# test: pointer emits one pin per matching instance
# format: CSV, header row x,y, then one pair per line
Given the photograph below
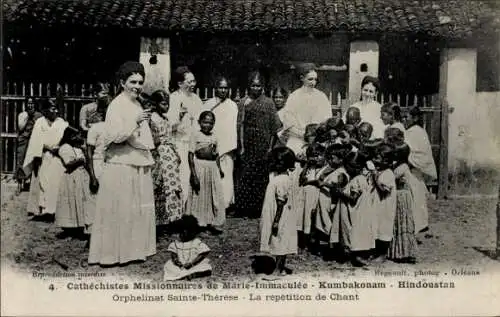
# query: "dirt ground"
x,y
461,230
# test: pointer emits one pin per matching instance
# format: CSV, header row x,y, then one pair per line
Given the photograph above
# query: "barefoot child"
x,y
278,223
205,197
404,242
189,255
384,199
75,205
310,172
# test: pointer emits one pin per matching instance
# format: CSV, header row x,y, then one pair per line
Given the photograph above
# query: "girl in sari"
x,y
421,164
167,182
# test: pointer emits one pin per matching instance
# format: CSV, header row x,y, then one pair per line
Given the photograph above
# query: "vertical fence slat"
x,y
443,153
399,99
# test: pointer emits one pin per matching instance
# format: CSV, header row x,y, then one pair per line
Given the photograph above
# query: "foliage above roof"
x,y
451,19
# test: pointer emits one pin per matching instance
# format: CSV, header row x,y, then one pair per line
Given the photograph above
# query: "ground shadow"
x,y
492,254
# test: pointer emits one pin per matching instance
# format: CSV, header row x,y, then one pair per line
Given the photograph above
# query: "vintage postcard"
x,y
250,158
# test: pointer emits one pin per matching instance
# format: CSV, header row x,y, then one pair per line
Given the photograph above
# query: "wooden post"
x,y
443,153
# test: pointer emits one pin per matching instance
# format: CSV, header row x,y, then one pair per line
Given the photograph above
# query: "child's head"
x,y
353,116
188,228
394,136
354,163
390,113
413,116
401,153
384,156
310,133
316,154
365,132
160,100
72,137
336,153
281,160
352,130
336,118
206,121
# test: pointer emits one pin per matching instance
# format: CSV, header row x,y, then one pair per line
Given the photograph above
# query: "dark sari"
x,y
258,122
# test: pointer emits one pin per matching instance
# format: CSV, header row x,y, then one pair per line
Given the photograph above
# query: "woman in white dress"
x,y
369,107
124,227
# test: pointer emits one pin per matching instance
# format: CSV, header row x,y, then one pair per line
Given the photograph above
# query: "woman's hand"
x,y
145,115
195,183
94,185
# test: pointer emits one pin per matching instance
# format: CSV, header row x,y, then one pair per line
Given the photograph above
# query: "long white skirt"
x,y
124,227
172,272
50,176
184,172
227,166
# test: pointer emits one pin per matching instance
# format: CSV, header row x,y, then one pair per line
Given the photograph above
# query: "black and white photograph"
x,y
250,157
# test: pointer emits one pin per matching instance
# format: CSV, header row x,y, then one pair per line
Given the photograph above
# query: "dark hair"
x,y
331,124
129,68
159,96
401,153
305,68
393,109
179,74
394,136
353,110
311,129
366,125
281,159
370,79
315,149
339,150
280,90
386,151
100,86
220,79
415,112
68,134
256,75
190,224
205,114
352,130
370,147
354,163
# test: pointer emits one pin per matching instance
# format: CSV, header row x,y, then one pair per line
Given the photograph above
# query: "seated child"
x,y
189,255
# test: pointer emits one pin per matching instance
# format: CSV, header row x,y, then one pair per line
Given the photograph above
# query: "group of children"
x,y
351,197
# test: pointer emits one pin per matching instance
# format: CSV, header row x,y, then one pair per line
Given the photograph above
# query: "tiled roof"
x,y
453,19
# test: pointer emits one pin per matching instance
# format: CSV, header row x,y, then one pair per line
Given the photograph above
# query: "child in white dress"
x,y
278,223
384,198
189,255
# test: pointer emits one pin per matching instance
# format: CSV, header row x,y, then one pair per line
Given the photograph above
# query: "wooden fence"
x,y
76,95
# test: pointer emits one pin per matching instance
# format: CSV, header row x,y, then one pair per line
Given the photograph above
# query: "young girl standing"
x,y
310,172
278,224
404,243
166,171
384,199
189,255
357,231
390,114
334,176
75,205
205,197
